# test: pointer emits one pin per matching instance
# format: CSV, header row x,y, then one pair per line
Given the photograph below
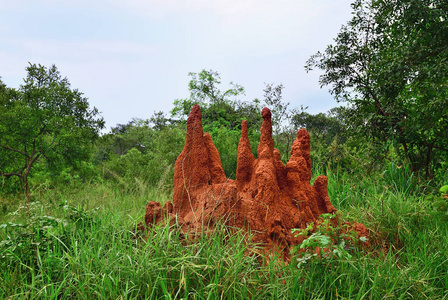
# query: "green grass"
x,y
79,243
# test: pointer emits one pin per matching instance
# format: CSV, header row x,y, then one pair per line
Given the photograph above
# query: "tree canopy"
x,y
44,119
390,64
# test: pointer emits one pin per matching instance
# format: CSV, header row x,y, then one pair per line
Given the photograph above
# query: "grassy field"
x,y
79,243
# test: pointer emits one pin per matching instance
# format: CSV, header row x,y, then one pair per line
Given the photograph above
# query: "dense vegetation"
x,y
70,198
46,122
389,63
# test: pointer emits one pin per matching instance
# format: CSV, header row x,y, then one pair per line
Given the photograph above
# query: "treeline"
x,y
51,137
388,65
147,149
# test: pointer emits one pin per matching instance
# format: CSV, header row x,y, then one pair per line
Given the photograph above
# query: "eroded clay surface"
x,y
268,198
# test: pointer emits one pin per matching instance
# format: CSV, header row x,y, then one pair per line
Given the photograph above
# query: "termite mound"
x,y
268,198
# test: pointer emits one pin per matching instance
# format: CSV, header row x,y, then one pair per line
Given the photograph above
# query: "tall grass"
x,y
81,244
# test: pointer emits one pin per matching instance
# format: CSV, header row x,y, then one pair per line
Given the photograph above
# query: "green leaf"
x,y
444,189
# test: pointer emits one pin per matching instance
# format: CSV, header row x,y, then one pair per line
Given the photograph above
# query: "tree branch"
x,y
15,150
7,175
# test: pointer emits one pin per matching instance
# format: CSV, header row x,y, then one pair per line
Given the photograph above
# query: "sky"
x,y
132,58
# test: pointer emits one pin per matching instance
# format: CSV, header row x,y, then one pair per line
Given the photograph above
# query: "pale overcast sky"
x,y
131,58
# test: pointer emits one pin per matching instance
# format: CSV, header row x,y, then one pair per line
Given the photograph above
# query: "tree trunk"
x,y
429,163
27,189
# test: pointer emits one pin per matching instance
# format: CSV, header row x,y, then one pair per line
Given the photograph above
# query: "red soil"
x,y
268,198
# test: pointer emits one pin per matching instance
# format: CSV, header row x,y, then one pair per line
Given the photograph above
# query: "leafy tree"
x,y
123,137
389,63
273,99
323,126
137,133
159,121
137,154
282,128
218,108
44,120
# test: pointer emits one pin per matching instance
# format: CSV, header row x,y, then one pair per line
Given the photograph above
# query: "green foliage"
x,y
160,121
439,201
137,154
333,145
218,108
400,178
67,176
329,240
44,120
322,126
40,238
100,256
389,63
98,250
226,141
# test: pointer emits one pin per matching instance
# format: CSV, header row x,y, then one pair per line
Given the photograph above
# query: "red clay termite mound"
x,y
268,198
